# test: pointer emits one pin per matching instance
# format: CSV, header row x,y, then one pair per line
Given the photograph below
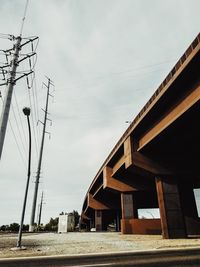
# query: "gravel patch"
x,y
84,243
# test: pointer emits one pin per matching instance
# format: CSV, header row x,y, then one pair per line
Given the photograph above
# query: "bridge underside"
x,y
156,164
177,148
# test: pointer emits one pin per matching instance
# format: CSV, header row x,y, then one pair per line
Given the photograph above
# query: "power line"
x,y
34,134
6,36
12,76
34,117
20,135
126,74
32,92
20,118
18,147
143,67
30,85
37,108
15,138
24,17
35,104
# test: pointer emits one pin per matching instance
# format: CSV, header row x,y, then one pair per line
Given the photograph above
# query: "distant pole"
x,y
8,97
27,114
31,226
40,210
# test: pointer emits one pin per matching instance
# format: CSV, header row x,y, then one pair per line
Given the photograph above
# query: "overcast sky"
x,y
106,58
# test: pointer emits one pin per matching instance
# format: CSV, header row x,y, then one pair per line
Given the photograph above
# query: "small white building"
x,y
66,223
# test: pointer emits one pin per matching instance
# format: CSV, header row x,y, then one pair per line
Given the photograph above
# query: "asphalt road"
x,y
165,258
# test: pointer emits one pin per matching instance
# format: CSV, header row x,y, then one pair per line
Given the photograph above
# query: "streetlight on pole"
x,y
27,112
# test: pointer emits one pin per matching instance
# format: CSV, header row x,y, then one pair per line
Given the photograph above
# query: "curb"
x,y
98,258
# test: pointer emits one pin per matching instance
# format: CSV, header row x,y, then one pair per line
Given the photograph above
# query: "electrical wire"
x,y
6,36
37,108
130,73
34,92
15,138
20,118
18,147
24,17
32,60
19,131
19,128
32,119
33,95
35,101
143,67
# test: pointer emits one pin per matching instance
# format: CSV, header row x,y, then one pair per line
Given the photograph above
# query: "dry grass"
x,y
84,243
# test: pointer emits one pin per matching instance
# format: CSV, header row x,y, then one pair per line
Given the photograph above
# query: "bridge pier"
x,y
98,220
129,211
189,208
172,219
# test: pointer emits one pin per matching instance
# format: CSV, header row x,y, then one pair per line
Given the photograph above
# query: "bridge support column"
x,y
92,224
172,220
98,220
117,222
189,207
129,211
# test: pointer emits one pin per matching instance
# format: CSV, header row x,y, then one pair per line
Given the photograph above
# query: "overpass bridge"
x,y
156,163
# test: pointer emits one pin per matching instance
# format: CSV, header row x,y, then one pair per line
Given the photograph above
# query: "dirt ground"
x,y
84,243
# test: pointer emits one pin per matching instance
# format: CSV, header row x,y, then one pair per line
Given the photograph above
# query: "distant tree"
x,y
14,227
41,228
47,227
76,217
52,225
25,227
4,228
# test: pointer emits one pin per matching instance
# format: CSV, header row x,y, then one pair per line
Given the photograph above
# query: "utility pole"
x,y
31,226
8,97
12,79
40,210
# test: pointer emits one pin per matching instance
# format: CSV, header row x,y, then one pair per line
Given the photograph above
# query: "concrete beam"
x,y
118,164
98,190
137,159
110,182
181,107
128,150
95,204
149,165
